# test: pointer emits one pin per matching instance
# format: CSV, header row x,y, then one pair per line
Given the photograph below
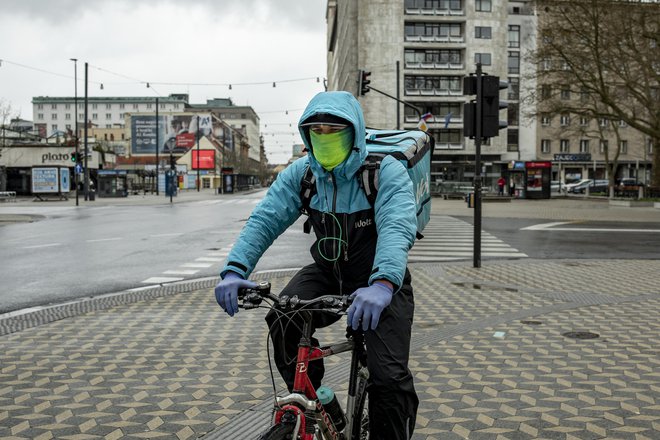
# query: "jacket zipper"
x,y
334,211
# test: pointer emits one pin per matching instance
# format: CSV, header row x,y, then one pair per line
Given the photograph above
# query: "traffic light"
x,y
364,82
491,105
74,157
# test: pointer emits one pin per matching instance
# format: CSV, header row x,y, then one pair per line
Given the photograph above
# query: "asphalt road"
x,y
73,253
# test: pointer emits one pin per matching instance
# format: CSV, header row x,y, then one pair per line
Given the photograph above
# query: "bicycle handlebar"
x,y
252,298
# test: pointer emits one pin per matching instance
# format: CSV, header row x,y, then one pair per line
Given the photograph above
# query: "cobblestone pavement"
x,y
489,354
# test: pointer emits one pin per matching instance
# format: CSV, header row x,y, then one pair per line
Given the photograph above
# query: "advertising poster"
x,y
206,159
178,133
65,180
45,180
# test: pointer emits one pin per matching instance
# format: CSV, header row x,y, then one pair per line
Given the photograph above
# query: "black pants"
x,y
392,398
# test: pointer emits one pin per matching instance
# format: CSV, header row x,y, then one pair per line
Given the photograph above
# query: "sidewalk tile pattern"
x,y
175,367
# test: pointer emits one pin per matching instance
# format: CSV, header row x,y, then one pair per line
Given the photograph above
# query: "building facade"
x,y
419,51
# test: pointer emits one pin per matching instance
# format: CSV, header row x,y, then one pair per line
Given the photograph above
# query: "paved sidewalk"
x,y
490,356
492,353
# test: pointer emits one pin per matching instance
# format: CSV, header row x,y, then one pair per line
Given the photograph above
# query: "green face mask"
x,y
333,148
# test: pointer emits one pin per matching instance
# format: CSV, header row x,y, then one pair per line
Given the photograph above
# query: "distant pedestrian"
x,y
500,186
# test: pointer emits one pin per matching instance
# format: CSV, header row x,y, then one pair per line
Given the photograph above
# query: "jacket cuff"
x,y
233,266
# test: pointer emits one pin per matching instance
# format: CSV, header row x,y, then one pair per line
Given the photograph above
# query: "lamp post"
x,y
75,114
199,183
86,189
157,146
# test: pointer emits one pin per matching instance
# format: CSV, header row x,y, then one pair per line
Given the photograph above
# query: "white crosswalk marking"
x,y
447,239
226,202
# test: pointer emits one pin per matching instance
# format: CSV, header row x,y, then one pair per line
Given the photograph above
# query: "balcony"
x,y
433,92
438,12
448,146
434,39
438,66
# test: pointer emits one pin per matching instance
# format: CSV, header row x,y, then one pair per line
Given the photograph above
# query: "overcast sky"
x,y
163,41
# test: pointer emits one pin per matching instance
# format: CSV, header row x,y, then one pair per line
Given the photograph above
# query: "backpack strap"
x,y
369,176
307,191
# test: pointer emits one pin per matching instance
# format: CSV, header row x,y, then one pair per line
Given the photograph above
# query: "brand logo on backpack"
x,y
423,189
363,223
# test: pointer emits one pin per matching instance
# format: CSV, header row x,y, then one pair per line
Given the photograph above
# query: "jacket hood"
x,y
345,106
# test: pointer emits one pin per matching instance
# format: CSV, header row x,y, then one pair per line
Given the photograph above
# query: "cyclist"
x,y
360,251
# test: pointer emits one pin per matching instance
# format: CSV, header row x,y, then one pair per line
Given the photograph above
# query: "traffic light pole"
x,y
75,114
86,189
477,173
419,112
157,147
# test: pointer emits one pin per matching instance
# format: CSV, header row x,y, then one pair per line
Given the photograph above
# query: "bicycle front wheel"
x,y
283,431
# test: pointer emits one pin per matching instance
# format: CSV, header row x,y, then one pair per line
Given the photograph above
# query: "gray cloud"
x,y
299,13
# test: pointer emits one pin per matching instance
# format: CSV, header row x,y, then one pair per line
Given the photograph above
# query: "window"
x,y
95,116
564,146
546,91
95,106
108,106
584,145
584,95
514,62
566,93
121,116
483,58
108,116
512,114
514,36
564,120
546,65
513,93
176,106
149,105
162,106
623,147
67,116
122,136
53,106
546,145
53,116
40,106
68,126
565,66
81,116
512,139
122,106
622,123
108,125
67,106
649,143
545,119
603,146
482,5
81,106
40,115
430,57
584,121
484,32
54,127
135,106
602,122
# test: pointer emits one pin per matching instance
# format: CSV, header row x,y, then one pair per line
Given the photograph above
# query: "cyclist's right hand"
x,y
226,292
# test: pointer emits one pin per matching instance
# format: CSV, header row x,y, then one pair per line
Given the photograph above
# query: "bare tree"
x,y
607,53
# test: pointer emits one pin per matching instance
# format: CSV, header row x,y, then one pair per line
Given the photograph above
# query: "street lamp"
x,y
75,114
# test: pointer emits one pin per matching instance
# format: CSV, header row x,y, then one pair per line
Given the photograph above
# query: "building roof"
x,y
118,99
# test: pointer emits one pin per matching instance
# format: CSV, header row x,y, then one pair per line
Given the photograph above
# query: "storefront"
x,y
529,180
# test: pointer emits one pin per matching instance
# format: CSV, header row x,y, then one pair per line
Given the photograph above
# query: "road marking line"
x,y
543,226
167,235
41,245
278,270
201,265
217,254
485,253
104,239
215,260
180,272
161,280
551,227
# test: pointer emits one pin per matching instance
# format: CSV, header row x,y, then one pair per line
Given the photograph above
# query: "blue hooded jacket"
x,y
360,242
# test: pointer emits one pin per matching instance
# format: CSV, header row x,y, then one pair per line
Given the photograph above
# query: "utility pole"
x,y
157,145
75,114
86,189
477,174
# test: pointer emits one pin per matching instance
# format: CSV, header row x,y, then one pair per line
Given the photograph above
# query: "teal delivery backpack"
x,y
413,148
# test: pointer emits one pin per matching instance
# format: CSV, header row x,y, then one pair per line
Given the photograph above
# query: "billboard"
x,y
45,180
177,133
206,159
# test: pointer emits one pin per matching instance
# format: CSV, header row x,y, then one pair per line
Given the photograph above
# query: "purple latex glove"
x,y
226,292
368,304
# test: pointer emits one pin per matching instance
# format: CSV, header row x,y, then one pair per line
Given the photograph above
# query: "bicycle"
x,y
300,415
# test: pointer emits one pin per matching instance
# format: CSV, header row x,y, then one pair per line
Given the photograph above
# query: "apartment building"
x,y
419,51
58,114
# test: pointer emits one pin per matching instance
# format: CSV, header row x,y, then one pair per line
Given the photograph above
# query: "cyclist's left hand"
x,y
368,304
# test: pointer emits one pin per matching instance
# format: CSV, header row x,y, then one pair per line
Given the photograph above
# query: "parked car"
x,y
628,187
571,187
596,186
557,186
